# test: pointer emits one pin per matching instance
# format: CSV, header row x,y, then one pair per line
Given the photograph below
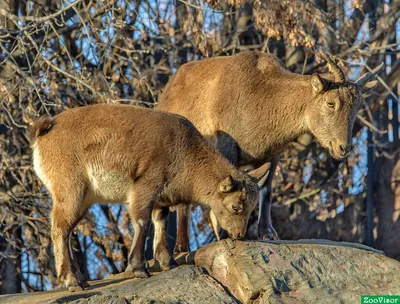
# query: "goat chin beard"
x,y
335,156
332,152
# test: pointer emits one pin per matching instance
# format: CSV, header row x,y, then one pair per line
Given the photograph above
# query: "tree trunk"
x,y
387,199
10,271
387,168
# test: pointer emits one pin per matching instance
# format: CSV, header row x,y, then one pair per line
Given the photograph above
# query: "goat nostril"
x,y
344,149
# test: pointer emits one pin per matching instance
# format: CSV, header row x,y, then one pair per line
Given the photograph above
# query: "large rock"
x,y
311,271
185,284
300,272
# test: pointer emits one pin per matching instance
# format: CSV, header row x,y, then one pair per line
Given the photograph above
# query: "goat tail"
x,y
41,127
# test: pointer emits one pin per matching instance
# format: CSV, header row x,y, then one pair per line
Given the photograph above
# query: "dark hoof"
x,y
179,248
141,273
268,234
168,266
269,237
73,285
75,288
82,281
85,284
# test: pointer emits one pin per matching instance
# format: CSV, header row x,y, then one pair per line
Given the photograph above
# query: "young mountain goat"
x,y
146,158
251,107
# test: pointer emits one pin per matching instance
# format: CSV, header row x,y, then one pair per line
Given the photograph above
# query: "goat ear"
x,y
317,83
369,85
226,185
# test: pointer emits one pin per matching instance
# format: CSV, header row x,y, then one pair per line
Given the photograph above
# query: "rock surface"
x,y
308,271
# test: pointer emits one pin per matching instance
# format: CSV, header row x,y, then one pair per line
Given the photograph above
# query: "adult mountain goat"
x,y
250,106
146,158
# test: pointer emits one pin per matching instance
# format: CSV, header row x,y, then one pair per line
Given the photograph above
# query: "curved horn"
x,y
260,174
336,70
367,76
215,225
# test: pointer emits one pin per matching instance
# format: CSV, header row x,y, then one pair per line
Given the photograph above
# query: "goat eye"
x,y
235,209
330,104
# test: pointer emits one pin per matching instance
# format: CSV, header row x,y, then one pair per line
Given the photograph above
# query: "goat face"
x,y
237,198
331,115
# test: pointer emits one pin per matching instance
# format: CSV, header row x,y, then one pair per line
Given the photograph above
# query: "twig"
x,y
384,84
56,67
371,126
10,16
205,9
302,196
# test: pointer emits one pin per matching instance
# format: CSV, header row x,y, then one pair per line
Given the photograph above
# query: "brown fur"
x,y
250,107
147,158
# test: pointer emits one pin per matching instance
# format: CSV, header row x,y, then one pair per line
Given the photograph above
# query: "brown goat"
x,y
250,107
146,158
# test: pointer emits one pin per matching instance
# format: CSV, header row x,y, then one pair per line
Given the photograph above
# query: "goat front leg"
x,y
140,209
265,229
161,254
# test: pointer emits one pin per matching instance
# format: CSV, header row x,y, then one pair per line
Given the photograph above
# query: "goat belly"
x,y
107,185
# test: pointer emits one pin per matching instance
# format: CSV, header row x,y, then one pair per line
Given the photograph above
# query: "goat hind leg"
x,y
161,254
64,218
182,239
265,229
